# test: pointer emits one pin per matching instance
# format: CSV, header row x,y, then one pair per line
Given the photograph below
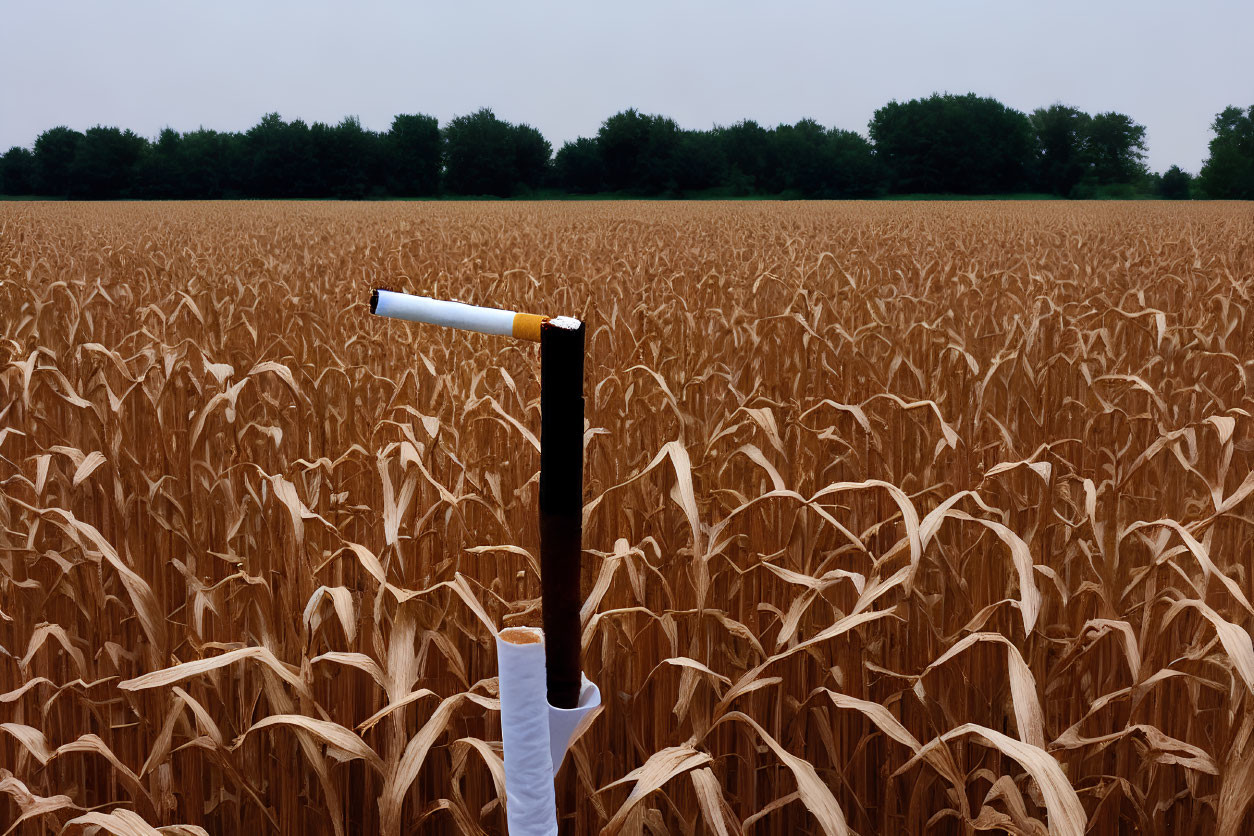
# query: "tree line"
x,y
945,144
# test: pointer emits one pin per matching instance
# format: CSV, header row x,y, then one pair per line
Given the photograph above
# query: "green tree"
x,y
817,162
579,168
346,160
699,163
639,152
17,171
105,162
1060,146
854,170
801,152
623,141
1175,184
413,152
54,154
160,170
325,162
280,159
1228,172
950,143
533,156
1116,148
480,155
215,164
750,155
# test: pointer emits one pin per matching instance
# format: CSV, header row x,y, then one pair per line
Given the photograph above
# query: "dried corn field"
x,y
899,516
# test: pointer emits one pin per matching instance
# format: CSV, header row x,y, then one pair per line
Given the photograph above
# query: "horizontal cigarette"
x,y
456,315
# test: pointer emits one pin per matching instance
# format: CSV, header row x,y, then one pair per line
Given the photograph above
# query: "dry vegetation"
x,y
899,516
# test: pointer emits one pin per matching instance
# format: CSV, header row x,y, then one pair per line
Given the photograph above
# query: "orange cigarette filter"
x,y
527,326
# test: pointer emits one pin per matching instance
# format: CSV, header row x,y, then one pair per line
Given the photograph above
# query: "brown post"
x,y
561,504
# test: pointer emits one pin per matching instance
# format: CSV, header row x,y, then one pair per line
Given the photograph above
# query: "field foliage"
x,y
899,516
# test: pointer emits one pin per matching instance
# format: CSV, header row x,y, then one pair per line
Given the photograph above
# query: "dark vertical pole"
x,y
561,504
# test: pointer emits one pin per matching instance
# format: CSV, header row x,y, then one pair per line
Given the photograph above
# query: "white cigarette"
x,y
456,315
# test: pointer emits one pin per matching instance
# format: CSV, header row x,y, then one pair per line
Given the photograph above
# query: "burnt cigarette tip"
x,y
374,300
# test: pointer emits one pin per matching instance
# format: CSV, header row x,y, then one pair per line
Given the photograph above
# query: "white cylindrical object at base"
x,y
530,803
535,734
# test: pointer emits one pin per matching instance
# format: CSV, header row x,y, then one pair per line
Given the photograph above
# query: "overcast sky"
x,y
564,67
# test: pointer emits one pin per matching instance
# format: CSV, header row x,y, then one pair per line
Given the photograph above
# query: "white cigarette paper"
x,y
535,734
456,315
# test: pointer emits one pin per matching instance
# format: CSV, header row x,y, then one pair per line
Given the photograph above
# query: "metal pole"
x,y
561,503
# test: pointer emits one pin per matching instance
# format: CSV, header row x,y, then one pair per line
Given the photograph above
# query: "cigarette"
x,y
496,321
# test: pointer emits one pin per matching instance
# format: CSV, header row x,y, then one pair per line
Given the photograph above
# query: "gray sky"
x,y
565,66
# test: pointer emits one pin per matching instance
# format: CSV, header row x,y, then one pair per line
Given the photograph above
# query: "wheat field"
x,y
900,517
